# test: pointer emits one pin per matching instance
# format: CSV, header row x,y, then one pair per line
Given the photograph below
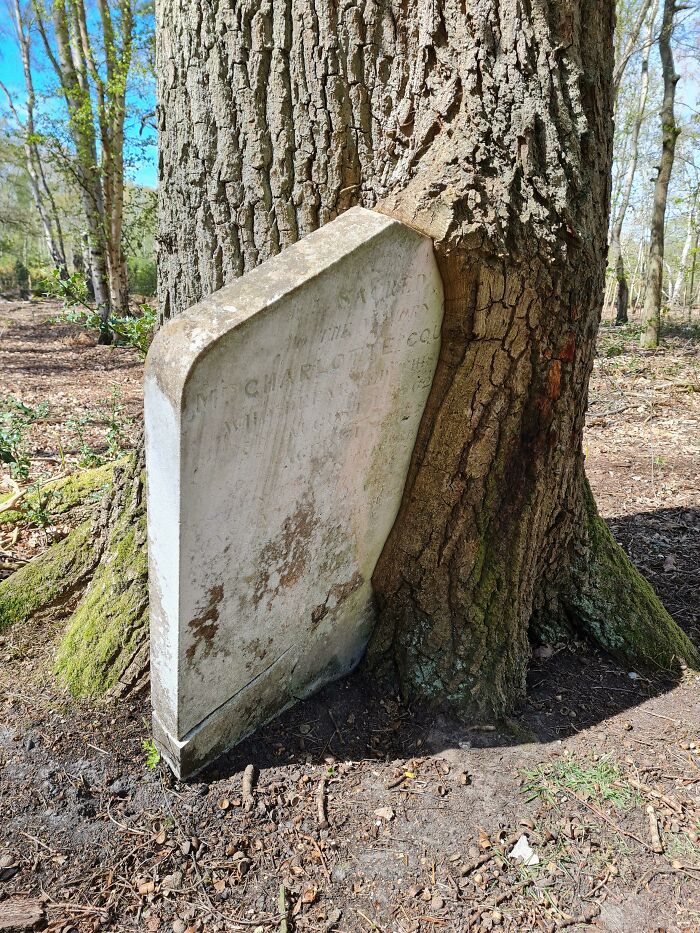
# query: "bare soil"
x,y
422,811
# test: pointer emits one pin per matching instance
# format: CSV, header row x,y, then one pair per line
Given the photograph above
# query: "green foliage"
x,y
38,508
598,781
117,440
134,331
142,276
15,418
152,754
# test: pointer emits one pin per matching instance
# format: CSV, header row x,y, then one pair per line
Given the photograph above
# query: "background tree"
x,y
669,135
43,196
615,256
91,61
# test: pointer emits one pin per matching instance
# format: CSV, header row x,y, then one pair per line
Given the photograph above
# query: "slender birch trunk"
x,y
669,135
616,258
685,253
41,192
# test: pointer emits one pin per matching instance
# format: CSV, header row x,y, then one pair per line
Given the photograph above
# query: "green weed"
x,y
598,781
15,418
152,754
134,331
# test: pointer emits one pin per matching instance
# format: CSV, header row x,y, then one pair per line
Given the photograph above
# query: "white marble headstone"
x,y
281,414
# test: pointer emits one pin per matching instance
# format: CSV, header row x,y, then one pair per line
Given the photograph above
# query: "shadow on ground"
x,y
574,689
664,545
359,718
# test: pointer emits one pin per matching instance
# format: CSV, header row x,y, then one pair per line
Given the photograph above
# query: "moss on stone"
x,y
109,625
82,488
49,579
618,608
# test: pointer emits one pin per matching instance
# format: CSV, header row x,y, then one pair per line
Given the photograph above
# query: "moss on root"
x,y
102,565
109,626
618,608
49,579
82,488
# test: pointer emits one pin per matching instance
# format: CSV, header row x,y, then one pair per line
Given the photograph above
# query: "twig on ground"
x,y
656,843
247,789
469,867
321,804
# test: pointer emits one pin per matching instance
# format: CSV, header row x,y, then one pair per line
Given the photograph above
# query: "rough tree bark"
x,y
487,126
615,257
669,134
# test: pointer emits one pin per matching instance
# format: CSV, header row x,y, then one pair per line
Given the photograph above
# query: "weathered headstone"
x,y
281,414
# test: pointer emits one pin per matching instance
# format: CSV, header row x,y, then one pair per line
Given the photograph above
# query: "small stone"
x,y
437,903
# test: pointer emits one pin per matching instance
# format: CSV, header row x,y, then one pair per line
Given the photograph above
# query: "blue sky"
x,y
140,148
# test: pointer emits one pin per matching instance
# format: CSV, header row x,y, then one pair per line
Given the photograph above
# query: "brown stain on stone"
x,y
205,626
287,554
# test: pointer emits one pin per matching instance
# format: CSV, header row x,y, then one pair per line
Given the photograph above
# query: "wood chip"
x,y
20,913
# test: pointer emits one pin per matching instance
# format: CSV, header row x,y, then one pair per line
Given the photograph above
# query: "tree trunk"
x,y
685,253
43,198
691,286
489,128
669,135
616,259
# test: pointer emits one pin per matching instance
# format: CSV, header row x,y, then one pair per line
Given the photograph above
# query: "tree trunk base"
x,y
97,578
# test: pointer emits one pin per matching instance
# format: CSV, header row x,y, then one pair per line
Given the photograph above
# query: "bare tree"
x,y
95,97
690,235
669,135
41,192
616,258
627,49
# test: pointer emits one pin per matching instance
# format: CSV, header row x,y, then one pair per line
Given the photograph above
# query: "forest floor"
x,y
422,811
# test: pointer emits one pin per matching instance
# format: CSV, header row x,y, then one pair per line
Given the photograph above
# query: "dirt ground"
x,y
364,814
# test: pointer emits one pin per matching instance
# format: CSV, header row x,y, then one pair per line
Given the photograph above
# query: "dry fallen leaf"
x,y
385,813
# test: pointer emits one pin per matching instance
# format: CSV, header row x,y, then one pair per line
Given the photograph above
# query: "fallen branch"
x,y
10,504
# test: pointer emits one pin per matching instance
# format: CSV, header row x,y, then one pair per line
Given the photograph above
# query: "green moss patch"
x,y
110,623
619,609
82,488
48,579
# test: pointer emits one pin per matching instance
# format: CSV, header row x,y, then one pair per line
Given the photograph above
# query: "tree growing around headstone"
x,y
487,126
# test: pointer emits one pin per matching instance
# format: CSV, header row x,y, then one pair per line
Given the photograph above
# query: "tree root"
x,y
102,565
617,607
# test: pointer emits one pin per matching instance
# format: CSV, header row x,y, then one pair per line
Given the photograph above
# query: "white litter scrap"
x,y
523,851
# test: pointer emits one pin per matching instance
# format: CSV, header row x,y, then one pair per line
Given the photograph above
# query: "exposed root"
x,y
617,607
98,576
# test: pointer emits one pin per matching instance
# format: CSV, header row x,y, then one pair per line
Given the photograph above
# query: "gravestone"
x,y
281,414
